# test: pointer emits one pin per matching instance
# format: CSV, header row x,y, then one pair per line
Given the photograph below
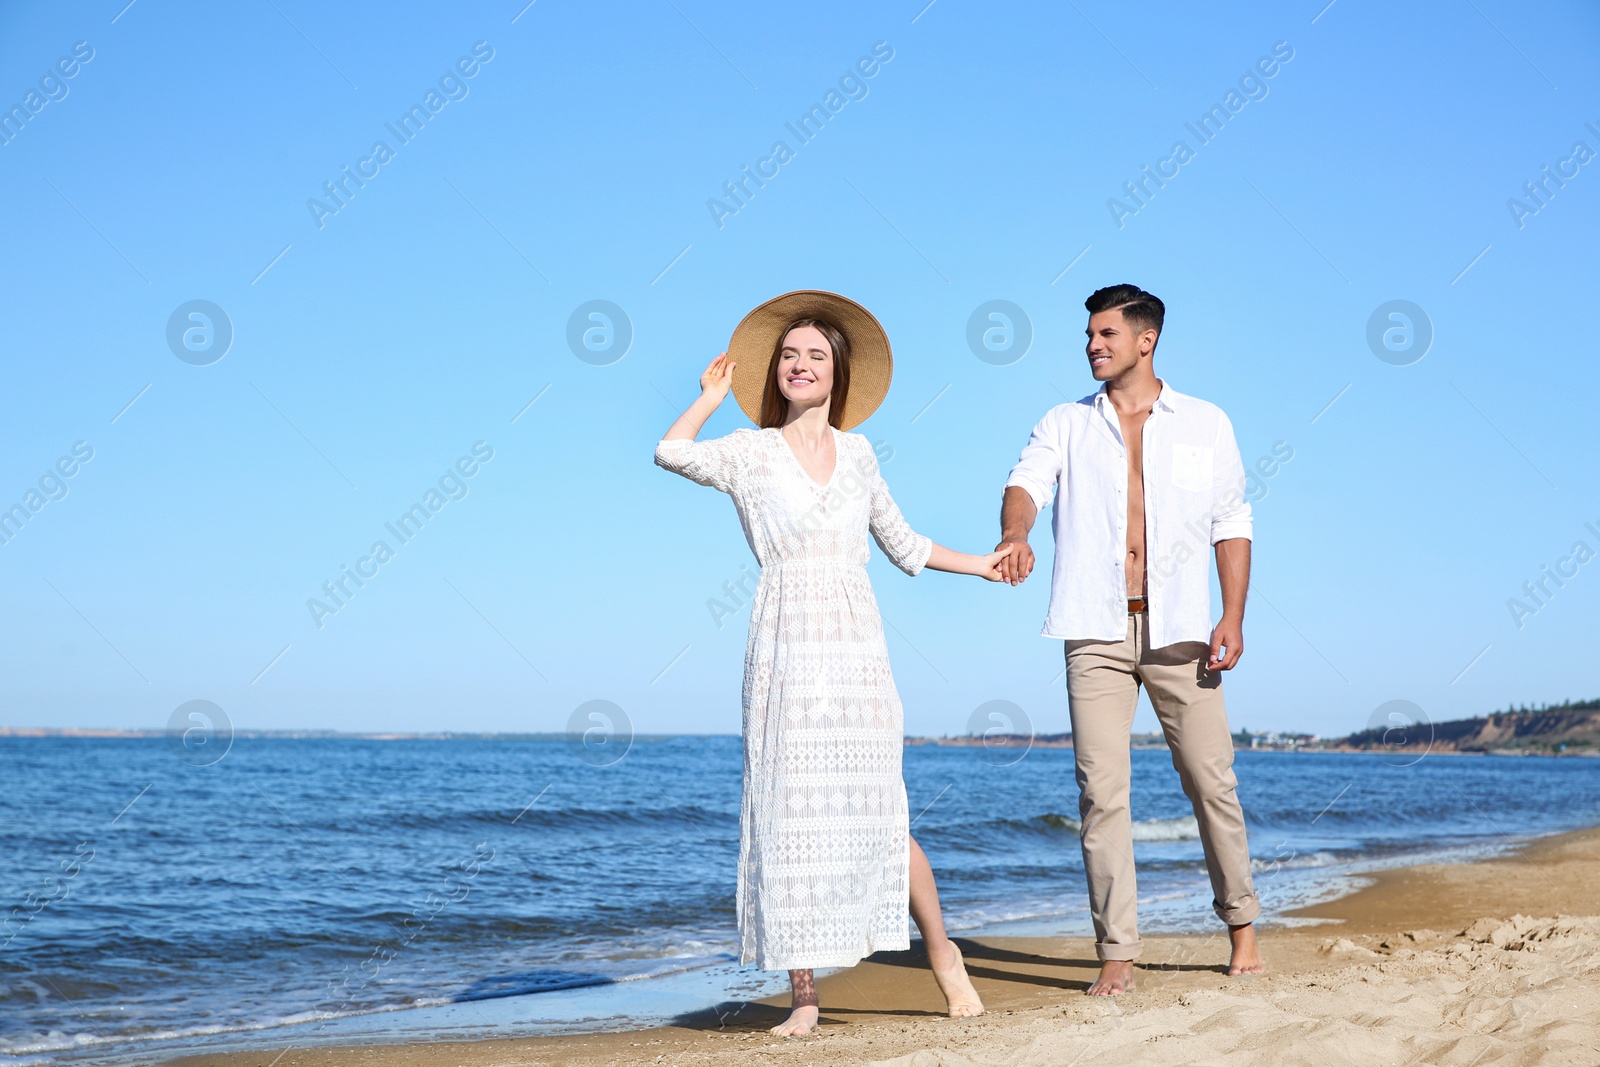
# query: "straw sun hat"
x,y
756,338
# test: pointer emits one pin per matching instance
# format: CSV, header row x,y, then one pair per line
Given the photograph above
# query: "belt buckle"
x,y
1137,604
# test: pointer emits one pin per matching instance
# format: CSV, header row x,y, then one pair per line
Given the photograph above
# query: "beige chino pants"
x,y
1103,680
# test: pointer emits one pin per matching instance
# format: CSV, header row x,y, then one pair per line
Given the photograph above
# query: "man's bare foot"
x,y
800,1022
1246,952
1116,976
951,974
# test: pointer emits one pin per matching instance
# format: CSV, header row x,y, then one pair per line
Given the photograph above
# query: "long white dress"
x,y
823,859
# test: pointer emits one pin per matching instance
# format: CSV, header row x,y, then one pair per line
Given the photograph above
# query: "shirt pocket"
x,y
1191,467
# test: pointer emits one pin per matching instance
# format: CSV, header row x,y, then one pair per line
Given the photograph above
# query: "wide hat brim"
x,y
756,338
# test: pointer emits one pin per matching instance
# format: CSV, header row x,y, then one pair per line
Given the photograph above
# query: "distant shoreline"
x,y
1022,742
1155,741
131,734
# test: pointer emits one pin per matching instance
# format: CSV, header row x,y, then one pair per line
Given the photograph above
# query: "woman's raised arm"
x,y
719,463
714,386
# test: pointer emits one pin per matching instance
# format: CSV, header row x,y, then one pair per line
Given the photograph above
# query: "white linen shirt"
x,y
1193,497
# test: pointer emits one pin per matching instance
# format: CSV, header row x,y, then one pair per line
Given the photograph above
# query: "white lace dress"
x,y
822,832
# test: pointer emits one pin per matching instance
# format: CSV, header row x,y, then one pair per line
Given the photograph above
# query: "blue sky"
x,y
374,351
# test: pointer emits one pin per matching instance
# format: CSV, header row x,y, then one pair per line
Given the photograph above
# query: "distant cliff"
x,y
1570,728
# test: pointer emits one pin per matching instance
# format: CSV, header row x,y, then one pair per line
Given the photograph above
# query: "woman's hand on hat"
x,y
714,386
717,379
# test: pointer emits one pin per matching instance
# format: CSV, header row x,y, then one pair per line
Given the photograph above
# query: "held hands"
x,y
717,379
1016,561
991,568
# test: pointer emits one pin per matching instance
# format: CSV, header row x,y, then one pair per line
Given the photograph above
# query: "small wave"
x,y
1183,828
24,1051
1311,859
56,1041
549,981
572,818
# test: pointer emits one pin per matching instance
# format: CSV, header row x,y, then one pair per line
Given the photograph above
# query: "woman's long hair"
x,y
775,406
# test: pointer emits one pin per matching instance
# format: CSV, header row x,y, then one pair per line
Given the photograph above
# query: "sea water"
x,y
316,889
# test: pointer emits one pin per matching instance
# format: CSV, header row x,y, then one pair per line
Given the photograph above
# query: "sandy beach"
x,y
1468,965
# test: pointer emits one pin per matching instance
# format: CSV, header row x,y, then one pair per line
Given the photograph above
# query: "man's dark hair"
x,y
1143,311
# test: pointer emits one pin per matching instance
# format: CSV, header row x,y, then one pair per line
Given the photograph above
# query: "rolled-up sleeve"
x,y
719,463
1230,514
1038,469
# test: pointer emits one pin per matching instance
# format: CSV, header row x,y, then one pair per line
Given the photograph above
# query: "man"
x,y
1144,479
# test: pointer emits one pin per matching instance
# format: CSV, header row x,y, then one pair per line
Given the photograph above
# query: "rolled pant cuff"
x,y
1240,914
1126,953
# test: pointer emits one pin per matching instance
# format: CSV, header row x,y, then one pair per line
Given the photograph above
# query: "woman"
x,y
826,859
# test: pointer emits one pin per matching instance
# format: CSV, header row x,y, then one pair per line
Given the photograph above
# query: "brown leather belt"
x,y
1136,605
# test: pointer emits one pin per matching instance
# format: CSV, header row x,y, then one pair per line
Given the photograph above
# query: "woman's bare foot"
x,y
803,1001
1116,976
950,971
1246,952
800,1022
